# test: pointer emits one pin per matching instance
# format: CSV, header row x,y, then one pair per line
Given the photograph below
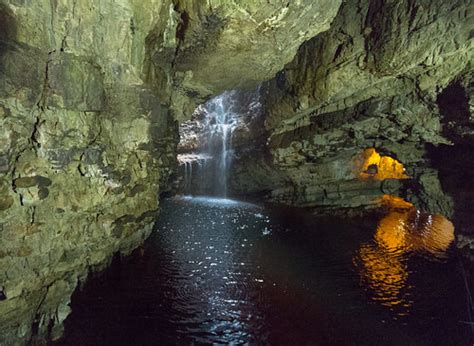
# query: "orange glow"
x,y
391,234
430,233
400,233
371,165
413,230
385,275
393,202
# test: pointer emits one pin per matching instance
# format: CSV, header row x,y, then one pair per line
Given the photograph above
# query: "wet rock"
x,y
203,55
43,193
372,169
24,251
352,88
3,295
65,109
90,103
25,182
391,186
136,190
43,181
93,155
21,69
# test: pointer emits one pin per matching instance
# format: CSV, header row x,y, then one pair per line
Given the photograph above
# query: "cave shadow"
x,y
455,163
8,28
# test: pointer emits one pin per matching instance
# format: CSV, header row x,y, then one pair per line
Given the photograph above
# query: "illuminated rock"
x,y
371,165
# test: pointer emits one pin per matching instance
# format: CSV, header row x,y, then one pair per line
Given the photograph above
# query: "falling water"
x,y
208,141
206,169
188,173
220,124
187,161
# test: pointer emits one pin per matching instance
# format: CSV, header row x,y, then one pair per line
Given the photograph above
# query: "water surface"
x,y
222,271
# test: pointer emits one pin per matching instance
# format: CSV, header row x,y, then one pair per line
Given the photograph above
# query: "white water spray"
x,y
207,141
220,125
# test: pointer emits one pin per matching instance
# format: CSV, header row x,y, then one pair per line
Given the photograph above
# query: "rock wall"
x,y
370,81
211,46
85,149
91,91
391,75
89,96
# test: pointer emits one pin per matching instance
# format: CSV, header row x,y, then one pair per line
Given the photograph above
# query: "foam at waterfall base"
x,y
216,201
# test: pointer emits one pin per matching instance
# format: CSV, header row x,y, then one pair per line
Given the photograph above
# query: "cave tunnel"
x,y
253,172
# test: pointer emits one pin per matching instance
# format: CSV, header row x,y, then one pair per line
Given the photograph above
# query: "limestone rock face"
x,y
418,47
370,81
85,149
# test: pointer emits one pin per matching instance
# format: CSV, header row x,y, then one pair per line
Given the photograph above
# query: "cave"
x,y
236,172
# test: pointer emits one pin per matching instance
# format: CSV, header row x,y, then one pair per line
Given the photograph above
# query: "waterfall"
x,y
220,124
188,174
187,161
207,141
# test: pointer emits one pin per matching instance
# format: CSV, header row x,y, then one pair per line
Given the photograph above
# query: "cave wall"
x,y
85,149
370,81
455,163
207,47
90,92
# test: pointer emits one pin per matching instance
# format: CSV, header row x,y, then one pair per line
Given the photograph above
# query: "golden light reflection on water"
x,y
383,264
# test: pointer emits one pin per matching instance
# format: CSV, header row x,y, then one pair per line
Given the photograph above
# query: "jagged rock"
x,y
76,119
207,49
89,97
91,91
74,83
363,84
374,81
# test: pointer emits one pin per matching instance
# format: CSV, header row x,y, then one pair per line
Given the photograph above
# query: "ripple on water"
x,y
209,285
211,273
384,263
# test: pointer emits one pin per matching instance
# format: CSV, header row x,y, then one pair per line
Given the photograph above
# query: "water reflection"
x,y
384,263
208,261
223,272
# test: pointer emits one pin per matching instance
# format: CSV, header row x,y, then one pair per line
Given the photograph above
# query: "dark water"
x,y
224,272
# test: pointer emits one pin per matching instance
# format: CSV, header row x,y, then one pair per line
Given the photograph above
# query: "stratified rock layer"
x,y
373,80
90,92
369,82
